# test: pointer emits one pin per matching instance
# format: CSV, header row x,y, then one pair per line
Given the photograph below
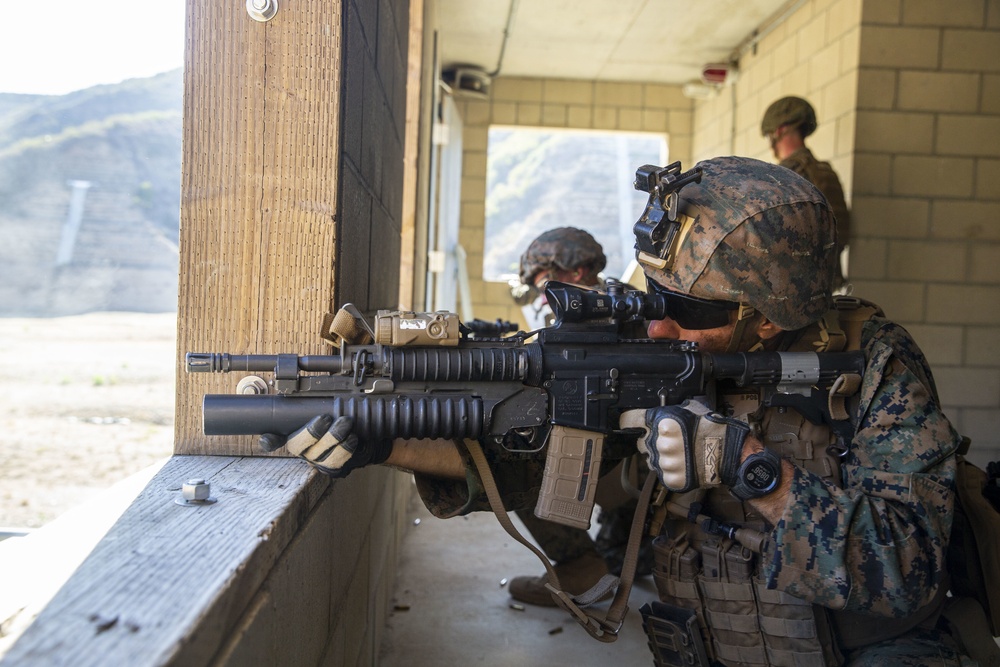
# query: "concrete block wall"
x,y
812,54
365,512
907,93
632,107
926,201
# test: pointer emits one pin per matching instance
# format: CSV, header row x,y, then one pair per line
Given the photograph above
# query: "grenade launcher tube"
x,y
375,417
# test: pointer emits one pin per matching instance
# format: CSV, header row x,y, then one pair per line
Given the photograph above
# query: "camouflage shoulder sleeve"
x,y
518,477
878,544
822,175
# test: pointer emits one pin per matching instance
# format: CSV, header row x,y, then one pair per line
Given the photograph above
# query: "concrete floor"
x,y
451,609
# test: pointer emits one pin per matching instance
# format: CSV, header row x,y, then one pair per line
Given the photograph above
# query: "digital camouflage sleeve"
x,y
878,544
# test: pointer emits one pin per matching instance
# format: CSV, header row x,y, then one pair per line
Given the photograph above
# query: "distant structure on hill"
x,y
90,199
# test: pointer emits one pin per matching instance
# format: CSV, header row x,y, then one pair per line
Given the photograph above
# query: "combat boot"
x,y
575,576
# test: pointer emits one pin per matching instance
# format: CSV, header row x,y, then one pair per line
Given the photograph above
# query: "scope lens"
x,y
692,313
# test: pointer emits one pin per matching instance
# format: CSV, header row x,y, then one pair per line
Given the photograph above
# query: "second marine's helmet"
x,y
793,111
758,234
562,248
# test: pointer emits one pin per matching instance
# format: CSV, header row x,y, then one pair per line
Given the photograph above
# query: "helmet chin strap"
x,y
744,316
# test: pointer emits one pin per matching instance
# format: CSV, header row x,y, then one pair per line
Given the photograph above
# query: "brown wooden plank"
x,y
259,192
168,583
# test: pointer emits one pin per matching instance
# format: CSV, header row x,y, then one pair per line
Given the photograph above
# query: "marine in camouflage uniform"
x,y
862,544
786,123
849,567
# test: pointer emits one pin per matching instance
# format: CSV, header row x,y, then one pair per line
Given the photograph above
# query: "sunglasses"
x,y
692,313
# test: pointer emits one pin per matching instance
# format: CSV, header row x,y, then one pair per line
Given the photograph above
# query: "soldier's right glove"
x,y
688,446
330,446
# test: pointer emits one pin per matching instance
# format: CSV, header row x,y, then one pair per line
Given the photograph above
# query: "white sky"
x,y
57,46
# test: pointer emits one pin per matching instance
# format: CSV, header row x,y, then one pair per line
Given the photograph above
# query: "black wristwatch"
x,y
757,476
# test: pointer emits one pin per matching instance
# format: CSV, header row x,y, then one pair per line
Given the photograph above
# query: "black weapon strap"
x,y
603,629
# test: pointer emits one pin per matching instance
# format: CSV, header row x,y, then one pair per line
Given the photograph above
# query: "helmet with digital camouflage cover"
x,y
791,110
563,249
752,233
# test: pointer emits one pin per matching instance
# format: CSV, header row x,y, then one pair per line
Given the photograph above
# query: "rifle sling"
x,y
603,629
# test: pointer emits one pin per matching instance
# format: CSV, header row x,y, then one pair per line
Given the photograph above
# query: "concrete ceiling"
x,y
661,41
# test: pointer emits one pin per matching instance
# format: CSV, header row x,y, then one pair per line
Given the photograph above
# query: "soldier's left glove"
x,y
331,447
688,446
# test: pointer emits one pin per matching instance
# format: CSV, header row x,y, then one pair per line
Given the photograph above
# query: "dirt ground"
x,y
86,401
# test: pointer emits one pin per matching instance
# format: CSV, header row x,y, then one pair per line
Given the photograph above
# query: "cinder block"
x,y
902,302
824,67
872,174
475,137
842,17
474,163
554,115
983,346
516,89
991,94
654,120
963,304
882,11
784,58
812,37
618,94
473,189
867,258
974,50
927,261
565,91
662,96
932,176
987,178
895,132
797,81
971,220
938,91
680,122
529,113
968,135
953,13
798,19
837,98
605,118
846,132
756,76
968,387
630,119
985,264
581,117
912,48
993,14
823,141
941,344
476,112
850,50
504,113
889,217
876,88
680,149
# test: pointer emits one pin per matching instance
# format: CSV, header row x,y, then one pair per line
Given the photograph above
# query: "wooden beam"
x,y
259,192
169,583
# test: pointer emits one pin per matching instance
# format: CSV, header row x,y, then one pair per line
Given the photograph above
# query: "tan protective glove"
x,y
687,445
330,446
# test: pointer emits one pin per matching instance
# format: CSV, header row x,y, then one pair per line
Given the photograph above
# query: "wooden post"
x,y
259,192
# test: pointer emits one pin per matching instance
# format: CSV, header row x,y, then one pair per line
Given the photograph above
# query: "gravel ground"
x,y
87,401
